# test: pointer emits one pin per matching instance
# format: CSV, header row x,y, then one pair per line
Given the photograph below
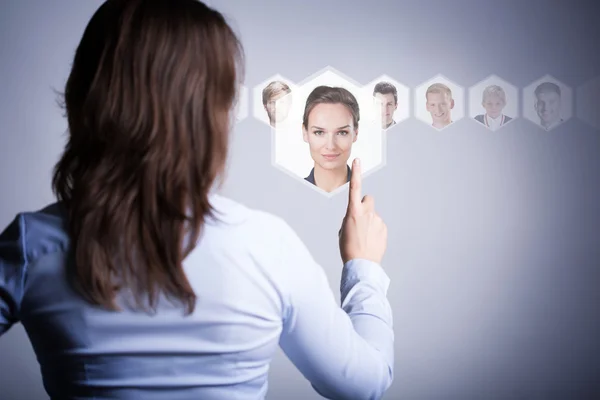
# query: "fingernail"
x,y
357,162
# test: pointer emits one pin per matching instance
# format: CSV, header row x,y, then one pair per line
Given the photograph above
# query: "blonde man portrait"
x,y
439,104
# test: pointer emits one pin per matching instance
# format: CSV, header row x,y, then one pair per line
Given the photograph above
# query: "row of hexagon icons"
x,y
303,156
493,102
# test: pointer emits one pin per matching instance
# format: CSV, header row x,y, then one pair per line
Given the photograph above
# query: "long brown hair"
x,y
149,103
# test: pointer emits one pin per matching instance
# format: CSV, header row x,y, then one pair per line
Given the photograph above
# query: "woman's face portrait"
x,y
330,134
493,106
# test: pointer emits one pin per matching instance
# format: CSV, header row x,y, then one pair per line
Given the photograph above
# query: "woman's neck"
x,y
330,179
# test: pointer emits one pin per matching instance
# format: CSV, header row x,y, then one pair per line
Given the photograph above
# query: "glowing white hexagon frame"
x,y
369,147
588,104
242,106
419,101
258,109
402,113
529,111
476,96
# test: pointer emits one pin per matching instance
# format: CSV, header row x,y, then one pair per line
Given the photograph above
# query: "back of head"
x,y
331,95
148,104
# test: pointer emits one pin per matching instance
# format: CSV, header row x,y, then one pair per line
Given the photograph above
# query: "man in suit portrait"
x,y
547,104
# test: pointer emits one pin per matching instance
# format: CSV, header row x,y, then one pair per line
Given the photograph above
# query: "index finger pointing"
x,y
355,192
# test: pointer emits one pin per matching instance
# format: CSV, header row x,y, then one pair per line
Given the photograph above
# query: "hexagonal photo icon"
x,y
392,100
588,102
265,98
439,102
241,105
493,102
331,122
547,102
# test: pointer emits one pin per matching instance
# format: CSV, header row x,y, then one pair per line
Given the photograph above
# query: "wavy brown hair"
x,y
149,103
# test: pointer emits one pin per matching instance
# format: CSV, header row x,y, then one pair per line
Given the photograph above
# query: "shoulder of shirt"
x,y
236,227
229,213
42,232
37,233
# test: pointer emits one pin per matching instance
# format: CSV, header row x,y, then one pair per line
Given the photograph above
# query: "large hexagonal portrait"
x,y
493,102
392,100
547,102
439,102
331,121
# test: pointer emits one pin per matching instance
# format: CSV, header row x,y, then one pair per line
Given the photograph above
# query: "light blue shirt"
x,y
258,288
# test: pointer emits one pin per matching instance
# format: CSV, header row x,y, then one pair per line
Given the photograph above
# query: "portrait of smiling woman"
x,y
330,127
141,281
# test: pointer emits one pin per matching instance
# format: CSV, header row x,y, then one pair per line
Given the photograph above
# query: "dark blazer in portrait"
x,y
311,176
481,118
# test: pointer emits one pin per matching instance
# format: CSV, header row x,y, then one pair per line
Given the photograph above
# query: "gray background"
x,y
494,244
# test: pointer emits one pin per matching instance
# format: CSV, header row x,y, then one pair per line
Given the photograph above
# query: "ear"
x,y
396,106
304,134
451,104
355,135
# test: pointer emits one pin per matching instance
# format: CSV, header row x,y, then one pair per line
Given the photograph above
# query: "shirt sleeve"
x,y
12,265
345,352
